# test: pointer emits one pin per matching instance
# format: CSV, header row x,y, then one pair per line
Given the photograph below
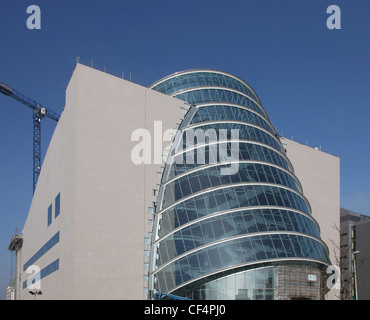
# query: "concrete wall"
x,y
319,174
104,196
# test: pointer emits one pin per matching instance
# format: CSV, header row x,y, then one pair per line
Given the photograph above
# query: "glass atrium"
x,y
217,235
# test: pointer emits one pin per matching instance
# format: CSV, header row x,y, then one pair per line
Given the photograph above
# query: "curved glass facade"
x,y
215,227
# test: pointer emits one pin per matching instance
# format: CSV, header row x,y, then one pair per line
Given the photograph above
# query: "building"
x,y
319,173
243,234
355,253
116,214
88,228
10,293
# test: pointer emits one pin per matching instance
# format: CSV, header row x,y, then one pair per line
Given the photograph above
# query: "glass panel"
x,y
180,247
269,247
287,221
201,206
247,249
228,225
258,248
191,210
240,225
251,195
194,183
221,200
218,228
279,221
260,221
297,248
197,235
204,262
270,222
261,195
214,258
207,231
188,239
250,222
194,266
226,255
288,245
279,247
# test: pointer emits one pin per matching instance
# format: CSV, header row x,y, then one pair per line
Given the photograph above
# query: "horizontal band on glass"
x,y
213,176
217,87
254,195
244,236
203,155
228,111
231,253
229,225
209,165
242,162
161,235
249,284
201,95
258,265
194,126
197,77
211,131
175,151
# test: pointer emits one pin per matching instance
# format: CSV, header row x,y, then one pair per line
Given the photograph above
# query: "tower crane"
x,y
39,112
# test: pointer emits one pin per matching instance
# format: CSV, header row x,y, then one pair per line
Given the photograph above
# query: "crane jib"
x,y
39,112
5,89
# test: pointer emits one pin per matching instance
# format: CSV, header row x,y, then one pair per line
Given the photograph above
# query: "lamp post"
x,y
355,272
35,292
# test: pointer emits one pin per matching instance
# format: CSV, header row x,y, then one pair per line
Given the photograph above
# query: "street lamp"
x,y
35,293
355,271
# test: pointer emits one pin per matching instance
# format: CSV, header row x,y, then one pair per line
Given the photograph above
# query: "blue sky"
x,y
313,82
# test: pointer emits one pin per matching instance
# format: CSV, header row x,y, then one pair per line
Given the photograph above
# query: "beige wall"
x,y
104,196
319,174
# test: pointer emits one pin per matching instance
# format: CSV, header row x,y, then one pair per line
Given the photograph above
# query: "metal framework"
x,y
39,112
14,246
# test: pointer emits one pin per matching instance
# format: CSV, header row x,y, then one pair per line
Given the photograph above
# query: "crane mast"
x,y
39,112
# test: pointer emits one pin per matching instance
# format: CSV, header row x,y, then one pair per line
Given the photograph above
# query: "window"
x,y
52,267
50,214
57,205
45,248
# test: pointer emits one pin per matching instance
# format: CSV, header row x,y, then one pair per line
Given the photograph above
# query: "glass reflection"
x,y
255,284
